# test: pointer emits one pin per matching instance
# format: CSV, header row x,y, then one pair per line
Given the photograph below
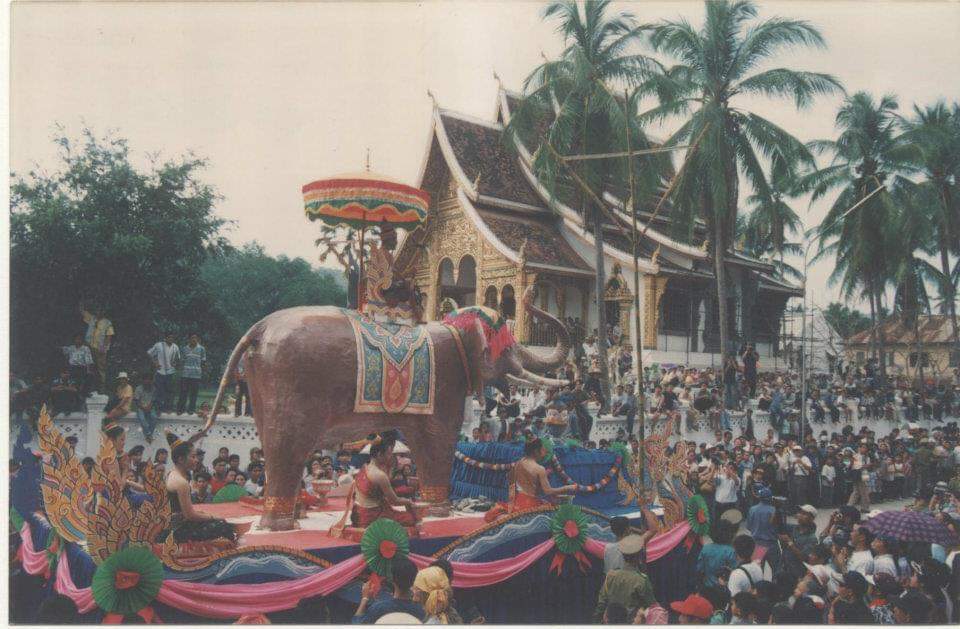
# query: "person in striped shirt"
x,y
192,356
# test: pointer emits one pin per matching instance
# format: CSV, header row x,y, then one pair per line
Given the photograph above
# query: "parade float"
x,y
320,377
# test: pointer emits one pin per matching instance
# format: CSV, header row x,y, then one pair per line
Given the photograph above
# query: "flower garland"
x,y
554,464
481,465
587,489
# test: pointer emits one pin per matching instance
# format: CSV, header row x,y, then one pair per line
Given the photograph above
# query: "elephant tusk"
x,y
542,381
520,381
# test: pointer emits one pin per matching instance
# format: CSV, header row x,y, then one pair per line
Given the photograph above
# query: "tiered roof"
x,y
510,206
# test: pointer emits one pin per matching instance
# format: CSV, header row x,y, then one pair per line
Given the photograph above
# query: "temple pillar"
x,y
654,289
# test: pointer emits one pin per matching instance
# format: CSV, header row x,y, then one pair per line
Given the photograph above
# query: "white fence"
x,y
239,434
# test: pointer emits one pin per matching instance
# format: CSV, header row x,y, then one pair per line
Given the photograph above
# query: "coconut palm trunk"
x,y
599,286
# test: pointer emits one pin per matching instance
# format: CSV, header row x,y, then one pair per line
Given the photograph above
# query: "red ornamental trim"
x,y
125,579
570,529
388,549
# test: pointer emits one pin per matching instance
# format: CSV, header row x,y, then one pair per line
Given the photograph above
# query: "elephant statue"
x,y
301,367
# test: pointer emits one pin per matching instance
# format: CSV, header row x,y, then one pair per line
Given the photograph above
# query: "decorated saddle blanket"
x,y
396,370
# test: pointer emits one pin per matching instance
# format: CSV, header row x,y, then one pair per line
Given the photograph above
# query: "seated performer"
x,y
530,479
375,497
188,524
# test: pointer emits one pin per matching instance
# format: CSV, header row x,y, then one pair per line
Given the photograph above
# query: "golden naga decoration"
x,y
390,296
93,509
66,488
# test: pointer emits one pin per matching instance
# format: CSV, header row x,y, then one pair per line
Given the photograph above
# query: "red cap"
x,y
694,605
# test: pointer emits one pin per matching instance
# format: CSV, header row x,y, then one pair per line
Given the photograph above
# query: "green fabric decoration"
x,y
623,450
230,493
572,443
547,449
16,520
698,515
137,559
566,517
377,541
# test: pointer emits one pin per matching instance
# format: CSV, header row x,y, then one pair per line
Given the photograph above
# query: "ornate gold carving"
x,y
279,505
655,286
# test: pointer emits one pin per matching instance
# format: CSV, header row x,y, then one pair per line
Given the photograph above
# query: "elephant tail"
x,y
248,339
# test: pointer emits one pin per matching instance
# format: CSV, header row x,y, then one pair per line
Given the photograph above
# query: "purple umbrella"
x,y
910,526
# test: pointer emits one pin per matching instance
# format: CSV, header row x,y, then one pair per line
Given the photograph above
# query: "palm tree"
x,y
717,65
575,92
932,139
909,272
772,219
864,156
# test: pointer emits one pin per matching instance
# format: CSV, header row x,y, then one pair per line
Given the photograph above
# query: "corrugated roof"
x,y
934,329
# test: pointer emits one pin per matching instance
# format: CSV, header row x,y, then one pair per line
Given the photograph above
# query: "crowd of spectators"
x,y
783,568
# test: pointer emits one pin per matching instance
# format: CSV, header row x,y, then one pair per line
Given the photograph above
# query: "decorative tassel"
x,y
147,613
557,563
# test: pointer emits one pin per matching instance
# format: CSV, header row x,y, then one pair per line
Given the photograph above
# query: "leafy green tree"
x,y
586,117
845,320
716,67
247,284
99,230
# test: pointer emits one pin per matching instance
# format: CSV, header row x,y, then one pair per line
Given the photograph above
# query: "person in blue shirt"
x,y
761,522
404,574
718,554
776,408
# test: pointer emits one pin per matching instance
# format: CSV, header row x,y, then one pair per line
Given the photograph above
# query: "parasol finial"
x,y
368,159
497,77
432,97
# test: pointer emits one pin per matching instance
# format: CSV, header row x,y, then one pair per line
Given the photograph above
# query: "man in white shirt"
x,y
79,361
801,467
861,559
727,486
883,560
745,576
166,356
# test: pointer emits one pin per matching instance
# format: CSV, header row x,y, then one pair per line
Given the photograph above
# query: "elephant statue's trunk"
x,y
558,357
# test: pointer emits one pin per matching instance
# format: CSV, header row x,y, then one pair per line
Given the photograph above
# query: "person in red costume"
x,y
530,480
375,497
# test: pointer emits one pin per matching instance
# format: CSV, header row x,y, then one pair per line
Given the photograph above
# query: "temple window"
x,y
467,281
508,302
490,298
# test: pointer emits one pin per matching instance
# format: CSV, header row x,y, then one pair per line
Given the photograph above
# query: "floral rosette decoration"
x,y
698,515
126,583
569,530
382,542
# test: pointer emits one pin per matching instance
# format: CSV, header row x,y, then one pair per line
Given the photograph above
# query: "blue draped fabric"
x,y
583,466
673,576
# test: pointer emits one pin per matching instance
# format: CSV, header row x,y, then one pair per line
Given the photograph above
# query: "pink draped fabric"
x,y
231,601
34,561
667,541
475,575
657,547
83,597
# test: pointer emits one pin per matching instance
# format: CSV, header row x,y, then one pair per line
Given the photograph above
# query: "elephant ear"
x,y
475,348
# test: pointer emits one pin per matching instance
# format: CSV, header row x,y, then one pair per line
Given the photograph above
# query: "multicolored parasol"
x,y
910,526
365,200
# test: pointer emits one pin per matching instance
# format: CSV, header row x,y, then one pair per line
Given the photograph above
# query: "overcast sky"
x,y
277,95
